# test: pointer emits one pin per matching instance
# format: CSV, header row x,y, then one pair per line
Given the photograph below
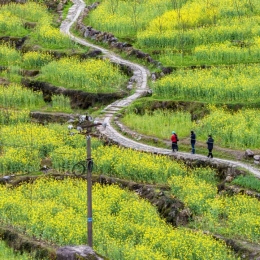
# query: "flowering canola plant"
x,y
9,56
92,75
126,17
230,129
232,216
9,116
16,96
11,24
124,226
35,60
138,166
183,27
25,144
13,18
235,84
29,11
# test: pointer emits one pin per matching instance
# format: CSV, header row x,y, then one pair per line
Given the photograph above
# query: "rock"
x,y
30,25
249,154
132,79
130,87
94,5
256,162
86,33
36,48
159,64
4,82
148,93
153,76
126,45
155,140
100,37
229,178
249,193
140,55
77,252
257,157
167,70
3,181
30,73
20,42
50,117
94,32
59,6
184,217
221,186
94,53
118,45
150,59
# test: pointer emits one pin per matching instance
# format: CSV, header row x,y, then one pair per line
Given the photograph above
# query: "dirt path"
x,y
141,75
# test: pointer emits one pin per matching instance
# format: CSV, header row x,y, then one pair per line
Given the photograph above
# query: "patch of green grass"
x,y
12,74
8,253
248,181
66,8
183,147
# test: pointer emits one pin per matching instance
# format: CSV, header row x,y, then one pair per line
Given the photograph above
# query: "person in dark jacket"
x,y
210,143
192,141
174,139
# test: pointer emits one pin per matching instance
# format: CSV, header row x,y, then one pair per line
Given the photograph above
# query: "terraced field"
x,y
194,208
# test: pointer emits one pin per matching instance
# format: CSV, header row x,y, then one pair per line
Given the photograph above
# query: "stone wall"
x,y
112,41
78,98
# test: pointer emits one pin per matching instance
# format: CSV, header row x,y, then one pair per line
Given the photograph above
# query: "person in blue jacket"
x,y
192,141
210,143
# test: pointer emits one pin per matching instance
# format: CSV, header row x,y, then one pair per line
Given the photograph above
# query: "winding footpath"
x,y
140,75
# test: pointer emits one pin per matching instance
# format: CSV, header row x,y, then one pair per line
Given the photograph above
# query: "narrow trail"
x,y
140,75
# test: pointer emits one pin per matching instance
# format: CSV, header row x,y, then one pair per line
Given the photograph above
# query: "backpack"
x,y
175,139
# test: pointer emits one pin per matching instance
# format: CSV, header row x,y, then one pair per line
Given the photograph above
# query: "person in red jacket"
x,y
174,139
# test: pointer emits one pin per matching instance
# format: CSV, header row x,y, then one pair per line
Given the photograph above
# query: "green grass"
x,y
9,254
183,147
66,8
248,181
177,60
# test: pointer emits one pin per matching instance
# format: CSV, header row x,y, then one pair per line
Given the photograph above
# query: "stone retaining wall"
x,y
78,98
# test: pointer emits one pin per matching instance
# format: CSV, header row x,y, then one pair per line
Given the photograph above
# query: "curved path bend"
x,y
140,75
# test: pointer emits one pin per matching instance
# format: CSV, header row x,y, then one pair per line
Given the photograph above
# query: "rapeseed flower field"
x,y
124,225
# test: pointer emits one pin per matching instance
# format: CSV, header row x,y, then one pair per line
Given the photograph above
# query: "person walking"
x,y
174,139
192,141
210,143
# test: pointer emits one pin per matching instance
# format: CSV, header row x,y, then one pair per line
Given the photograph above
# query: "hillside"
x,y
155,70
